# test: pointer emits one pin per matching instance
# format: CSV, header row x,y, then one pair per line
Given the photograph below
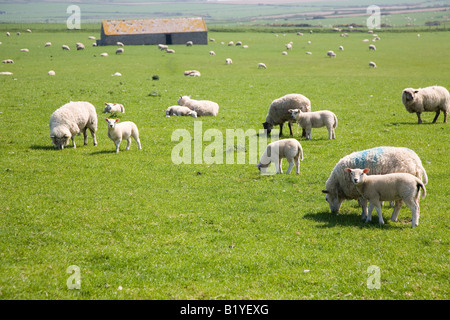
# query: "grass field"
x,y
135,221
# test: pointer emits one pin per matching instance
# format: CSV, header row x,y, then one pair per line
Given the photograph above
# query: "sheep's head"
x,y
262,167
268,127
295,113
334,201
183,99
61,139
409,94
193,114
357,174
111,122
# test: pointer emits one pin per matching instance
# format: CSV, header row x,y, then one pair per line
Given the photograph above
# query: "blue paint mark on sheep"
x,y
371,156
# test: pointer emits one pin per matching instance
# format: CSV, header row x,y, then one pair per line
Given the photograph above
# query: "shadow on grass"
x,y
346,219
47,147
102,152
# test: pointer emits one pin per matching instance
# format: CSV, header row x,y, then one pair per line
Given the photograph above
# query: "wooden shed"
x,y
153,31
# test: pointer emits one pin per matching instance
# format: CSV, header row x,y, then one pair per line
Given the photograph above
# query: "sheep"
x,y
170,51
228,61
262,66
201,107
278,112
245,46
341,48
65,47
284,53
51,73
380,160
91,37
180,111
117,74
162,47
398,187
118,43
113,107
372,64
28,30
103,54
308,53
120,50
276,151
239,43
289,46
6,73
429,99
372,47
212,53
24,50
192,73
316,119
231,43
189,44
8,34
47,44
80,46
124,130
70,120
8,61
331,54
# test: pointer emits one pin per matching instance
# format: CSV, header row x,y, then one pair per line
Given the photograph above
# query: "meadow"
x,y
139,226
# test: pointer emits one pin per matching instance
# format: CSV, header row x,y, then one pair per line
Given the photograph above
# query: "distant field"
x,y
140,227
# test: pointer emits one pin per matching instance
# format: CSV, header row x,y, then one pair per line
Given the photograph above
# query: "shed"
x,y
153,31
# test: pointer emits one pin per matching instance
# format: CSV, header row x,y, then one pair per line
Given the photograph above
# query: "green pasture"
x,y
140,227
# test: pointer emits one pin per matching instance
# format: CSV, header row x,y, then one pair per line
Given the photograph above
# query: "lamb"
x,y
398,187
113,107
24,50
278,112
70,120
429,99
192,73
289,46
380,160
317,119
124,130
372,64
201,107
262,66
372,47
119,44
341,48
180,111
103,54
276,151
228,61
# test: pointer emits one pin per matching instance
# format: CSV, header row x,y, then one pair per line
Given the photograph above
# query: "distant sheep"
x,y
284,53
123,131
103,54
231,43
189,43
380,160
239,43
308,53
398,187
341,48
289,46
80,46
192,73
331,54
24,50
262,66
228,61
120,44
429,99
70,120
212,53
316,119
113,107
372,47
372,64
65,47
180,111
201,107
120,50
170,50
278,112
276,151
8,34
162,47
8,61
51,73
47,44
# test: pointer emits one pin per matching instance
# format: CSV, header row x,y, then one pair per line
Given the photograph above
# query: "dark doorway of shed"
x,y
168,39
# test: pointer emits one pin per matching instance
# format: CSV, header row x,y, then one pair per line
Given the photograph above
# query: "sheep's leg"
x,y
93,136
128,143
85,136
308,134
413,204
297,165
363,203
73,142
445,117
330,133
369,213
290,128
291,165
281,129
138,143
436,116
398,206
418,117
279,166
117,143
380,215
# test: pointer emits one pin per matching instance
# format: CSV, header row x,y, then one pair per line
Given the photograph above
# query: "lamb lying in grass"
x,y
125,130
180,111
113,107
276,151
396,187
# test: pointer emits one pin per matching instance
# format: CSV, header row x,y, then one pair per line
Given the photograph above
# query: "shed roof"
x,y
149,26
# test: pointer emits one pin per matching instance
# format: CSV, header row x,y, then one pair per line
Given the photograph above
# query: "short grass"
x,y
214,231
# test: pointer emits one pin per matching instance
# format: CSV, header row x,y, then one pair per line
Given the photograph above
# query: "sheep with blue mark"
x,y
380,160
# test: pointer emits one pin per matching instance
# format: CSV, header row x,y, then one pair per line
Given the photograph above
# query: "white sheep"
x,y
65,47
70,120
429,99
8,61
289,46
48,44
228,61
278,112
231,43
308,53
8,34
24,50
113,107
262,66
398,187
123,131
201,107
276,151
372,64
372,47
103,54
331,54
212,53
284,53
51,73
341,48
380,160
80,46
192,73
162,47
316,119
189,43
91,37
180,111
120,50
119,44
170,51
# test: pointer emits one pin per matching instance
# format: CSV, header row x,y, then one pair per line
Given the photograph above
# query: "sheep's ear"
x,y
416,91
348,169
106,119
105,103
117,120
366,170
324,191
290,110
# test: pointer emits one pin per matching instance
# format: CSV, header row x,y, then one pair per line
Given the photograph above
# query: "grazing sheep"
x,y
276,151
103,54
262,66
278,112
284,53
94,44
117,74
308,53
316,119
429,99
398,187
162,47
372,47
70,120
231,43
51,73
24,50
180,111
123,131
380,160
289,46
91,37
189,43
212,53
28,30
341,48
80,46
113,107
239,43
18,33
170,51
192,73
245,46
8,61
8,34
65,47
228,61
372,64
212,39
119,44
331,54
120,50
6,73
201,107
47,44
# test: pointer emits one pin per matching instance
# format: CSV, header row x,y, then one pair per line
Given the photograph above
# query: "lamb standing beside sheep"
x,y
70,120
380,160
276,151
278,112
317,119
398,187
123,131
201,107
429,99
180,111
